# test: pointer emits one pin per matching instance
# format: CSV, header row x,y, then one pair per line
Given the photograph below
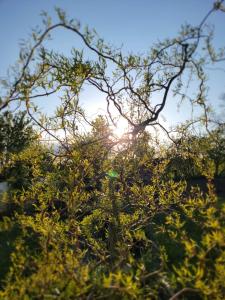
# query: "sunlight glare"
x,y
121,128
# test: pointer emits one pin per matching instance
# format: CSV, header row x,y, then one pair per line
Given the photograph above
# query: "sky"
x,y
135,24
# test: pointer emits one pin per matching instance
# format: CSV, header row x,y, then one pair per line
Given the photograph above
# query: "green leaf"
x,y
112,174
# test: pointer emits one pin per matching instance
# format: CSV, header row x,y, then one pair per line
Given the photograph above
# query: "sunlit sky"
x,y
134,24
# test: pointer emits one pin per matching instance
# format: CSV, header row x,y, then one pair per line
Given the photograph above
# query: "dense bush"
x,y
86,228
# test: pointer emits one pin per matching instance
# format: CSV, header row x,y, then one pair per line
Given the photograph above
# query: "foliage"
x,y
15,135
189,149
123,238
103,218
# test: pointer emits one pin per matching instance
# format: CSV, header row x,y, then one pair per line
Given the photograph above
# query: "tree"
x,y
129,82
19,148
216,150
106,220
189,155
16,134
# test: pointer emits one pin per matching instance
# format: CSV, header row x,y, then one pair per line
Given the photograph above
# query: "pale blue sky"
x,y
135,24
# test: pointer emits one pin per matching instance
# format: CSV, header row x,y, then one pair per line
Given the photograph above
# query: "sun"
x,y
121,128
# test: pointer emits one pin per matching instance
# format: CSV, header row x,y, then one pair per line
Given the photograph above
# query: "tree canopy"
x,y
137,87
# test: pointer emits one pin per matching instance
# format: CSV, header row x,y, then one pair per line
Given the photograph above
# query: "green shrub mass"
x,y
97,224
